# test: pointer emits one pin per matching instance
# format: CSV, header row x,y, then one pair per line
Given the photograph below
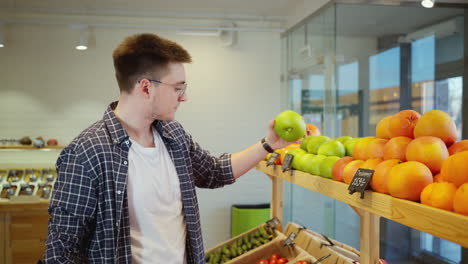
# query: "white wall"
x,y
48,88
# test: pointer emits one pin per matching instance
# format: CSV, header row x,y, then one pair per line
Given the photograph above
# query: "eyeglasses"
x,y
179,88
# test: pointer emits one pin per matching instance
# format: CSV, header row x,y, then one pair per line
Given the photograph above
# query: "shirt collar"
x,y
115,128
119,134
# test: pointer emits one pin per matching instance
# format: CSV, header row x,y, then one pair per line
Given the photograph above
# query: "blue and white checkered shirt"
x,y
89,207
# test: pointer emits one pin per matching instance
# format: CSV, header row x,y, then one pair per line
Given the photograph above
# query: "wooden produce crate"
x,y
273,234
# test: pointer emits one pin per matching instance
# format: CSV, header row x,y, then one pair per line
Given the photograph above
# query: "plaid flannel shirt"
x,y
89,207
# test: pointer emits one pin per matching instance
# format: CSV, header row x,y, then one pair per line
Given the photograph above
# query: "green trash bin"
x,y
248,216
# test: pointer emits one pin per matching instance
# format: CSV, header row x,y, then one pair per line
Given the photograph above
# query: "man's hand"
x,y
273,139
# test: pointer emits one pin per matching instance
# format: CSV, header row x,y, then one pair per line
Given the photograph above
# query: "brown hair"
x,y
142,55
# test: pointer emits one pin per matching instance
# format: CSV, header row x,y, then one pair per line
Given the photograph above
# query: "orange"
x,y
458,147
455,168
407,180
338,168
350,169
375,148
371,163
312,130
428,150
360,148
381,131
460,201
439,195
438,178
285,151
403,123
379,179
437,123
396,148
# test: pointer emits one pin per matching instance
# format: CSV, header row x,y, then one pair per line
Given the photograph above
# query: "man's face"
x,y
166,96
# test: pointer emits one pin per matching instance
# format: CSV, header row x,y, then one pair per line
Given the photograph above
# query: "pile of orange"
x,y
416,157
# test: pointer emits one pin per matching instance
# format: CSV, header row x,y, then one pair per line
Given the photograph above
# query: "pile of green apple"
x,y
318,154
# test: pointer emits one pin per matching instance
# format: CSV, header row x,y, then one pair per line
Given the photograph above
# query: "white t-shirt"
x,y
157,225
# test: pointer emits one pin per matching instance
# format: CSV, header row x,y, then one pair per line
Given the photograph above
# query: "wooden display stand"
x,y
440,223
23,230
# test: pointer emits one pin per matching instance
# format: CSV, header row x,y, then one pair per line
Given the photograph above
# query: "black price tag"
x,y
272,158
360,181
272,223
287,162
290,239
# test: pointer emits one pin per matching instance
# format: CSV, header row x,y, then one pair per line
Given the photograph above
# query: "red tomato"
x,y
283,260
274,261
263,261
301,262
275,256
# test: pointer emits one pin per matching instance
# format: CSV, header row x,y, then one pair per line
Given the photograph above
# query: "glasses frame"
x,y
177,87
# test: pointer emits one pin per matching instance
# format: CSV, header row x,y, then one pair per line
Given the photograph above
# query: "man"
x,y
126,185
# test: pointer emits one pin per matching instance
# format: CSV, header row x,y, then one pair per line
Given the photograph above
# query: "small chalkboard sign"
x,y
290,239
360,181
272,223
271,160
287,162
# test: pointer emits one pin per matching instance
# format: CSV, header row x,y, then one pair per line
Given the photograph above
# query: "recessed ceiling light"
x,y
428,3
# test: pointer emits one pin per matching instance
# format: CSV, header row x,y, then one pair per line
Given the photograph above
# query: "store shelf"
x,y
444,224
26,207
29,147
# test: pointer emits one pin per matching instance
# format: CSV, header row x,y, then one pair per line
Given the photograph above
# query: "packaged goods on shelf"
x,y
26,183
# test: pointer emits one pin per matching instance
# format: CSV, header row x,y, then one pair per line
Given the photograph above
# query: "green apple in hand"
x,y
290,126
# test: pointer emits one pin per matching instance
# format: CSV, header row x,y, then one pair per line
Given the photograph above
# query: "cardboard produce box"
x,y
242,244
318,246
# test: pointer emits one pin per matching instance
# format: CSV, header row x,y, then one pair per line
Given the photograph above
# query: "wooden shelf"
x,y
29,147
441,223
24,207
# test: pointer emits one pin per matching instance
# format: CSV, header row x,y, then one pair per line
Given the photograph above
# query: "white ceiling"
x,y
353,19
271,9
377,20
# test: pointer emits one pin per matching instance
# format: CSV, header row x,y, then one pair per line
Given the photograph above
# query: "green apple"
x,y
344,139
332,148
304,142
349,145
290,126
297,153
315,142
303,161
326,166
313,165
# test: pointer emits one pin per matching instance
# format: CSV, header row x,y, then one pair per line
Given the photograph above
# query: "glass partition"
x,y
350,65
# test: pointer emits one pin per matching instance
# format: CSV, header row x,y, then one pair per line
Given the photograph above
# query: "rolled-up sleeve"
x,y
210,171
72,208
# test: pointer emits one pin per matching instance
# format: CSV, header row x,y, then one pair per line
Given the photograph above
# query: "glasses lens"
x,y
182,89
